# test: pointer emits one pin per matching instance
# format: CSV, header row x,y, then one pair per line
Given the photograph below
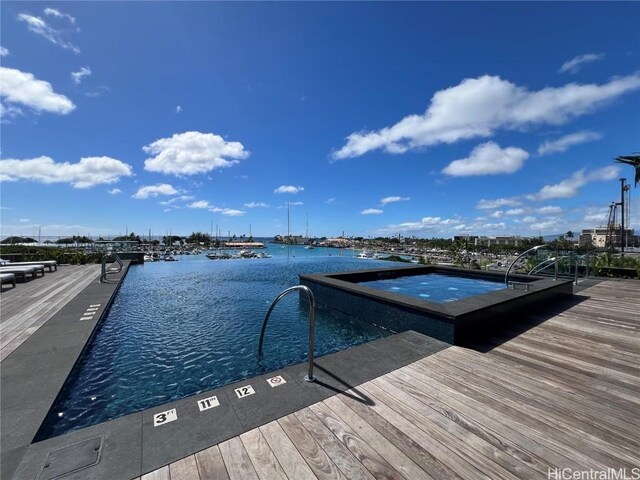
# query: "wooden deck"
x,y
29,305
563,394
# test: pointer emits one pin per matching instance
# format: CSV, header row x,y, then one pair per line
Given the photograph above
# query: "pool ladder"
x,y
106,271
312,325
518,284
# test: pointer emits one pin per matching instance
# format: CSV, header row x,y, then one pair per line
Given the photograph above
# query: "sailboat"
x,y
309,246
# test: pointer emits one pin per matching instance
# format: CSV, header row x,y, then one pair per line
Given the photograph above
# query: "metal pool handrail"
x,y
312,324
106,271
506,275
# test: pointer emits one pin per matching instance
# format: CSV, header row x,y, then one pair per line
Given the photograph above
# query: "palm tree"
x,y
634,161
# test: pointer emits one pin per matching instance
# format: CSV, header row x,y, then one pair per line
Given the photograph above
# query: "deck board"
x,y
27,307
563,391
211,465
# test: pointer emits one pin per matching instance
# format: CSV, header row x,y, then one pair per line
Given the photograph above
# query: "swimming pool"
x,y
436,287
460,305
179,328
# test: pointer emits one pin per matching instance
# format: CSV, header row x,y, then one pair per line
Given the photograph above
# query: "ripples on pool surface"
x,y
178,328
435,287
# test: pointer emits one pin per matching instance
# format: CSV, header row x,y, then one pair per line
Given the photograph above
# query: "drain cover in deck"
x,y
72,458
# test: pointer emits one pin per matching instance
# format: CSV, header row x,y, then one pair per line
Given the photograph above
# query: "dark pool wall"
x,y
453,322
389,315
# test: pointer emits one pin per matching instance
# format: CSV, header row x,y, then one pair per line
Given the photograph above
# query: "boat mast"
x,y
288,221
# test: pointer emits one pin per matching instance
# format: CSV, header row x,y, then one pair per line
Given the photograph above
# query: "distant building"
x,y
507,240
336,242
597,237
466,238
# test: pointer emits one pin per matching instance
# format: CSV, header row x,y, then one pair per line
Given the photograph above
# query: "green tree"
x,y
634,161
10,240
198,237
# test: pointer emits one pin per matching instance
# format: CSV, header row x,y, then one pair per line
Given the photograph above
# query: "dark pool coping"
x,y
33,374
447,311
130,445
453,322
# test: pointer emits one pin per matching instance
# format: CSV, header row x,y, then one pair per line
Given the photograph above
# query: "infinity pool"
x,y
179,328
435,287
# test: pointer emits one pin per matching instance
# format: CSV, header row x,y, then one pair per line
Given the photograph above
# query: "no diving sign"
x,y
276,381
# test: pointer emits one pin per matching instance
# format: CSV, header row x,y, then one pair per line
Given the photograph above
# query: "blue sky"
x,y
426,119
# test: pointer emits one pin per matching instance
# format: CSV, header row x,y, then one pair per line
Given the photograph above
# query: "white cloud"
x,y
329,201
23,88
178,109
394,199
292,204
200,204
563,143
478,107
190,153
549,209
576,63
83,72
499,202
529,219
494,226
4,52
181,198
38,26
371,211
288,189
24,220
53,12
603,174
596,217
546,225
432,224
88,172
98,92
203,204
497,214
230,212
488,159
256,205
569,187
114,191
515,211
154,191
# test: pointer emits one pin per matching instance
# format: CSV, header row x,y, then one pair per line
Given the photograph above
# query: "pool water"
x,y
435,287
179,328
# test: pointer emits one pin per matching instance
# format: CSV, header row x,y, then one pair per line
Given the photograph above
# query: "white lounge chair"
x,y
22,272
8,278
51,264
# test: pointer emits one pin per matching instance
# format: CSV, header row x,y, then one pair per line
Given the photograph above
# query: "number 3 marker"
x,y
165,417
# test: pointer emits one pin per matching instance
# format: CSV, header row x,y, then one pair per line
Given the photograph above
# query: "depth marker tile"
x,y
207,403
165,417
244,391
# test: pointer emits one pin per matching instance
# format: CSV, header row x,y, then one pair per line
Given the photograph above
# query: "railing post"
x,y
555,266
586,259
